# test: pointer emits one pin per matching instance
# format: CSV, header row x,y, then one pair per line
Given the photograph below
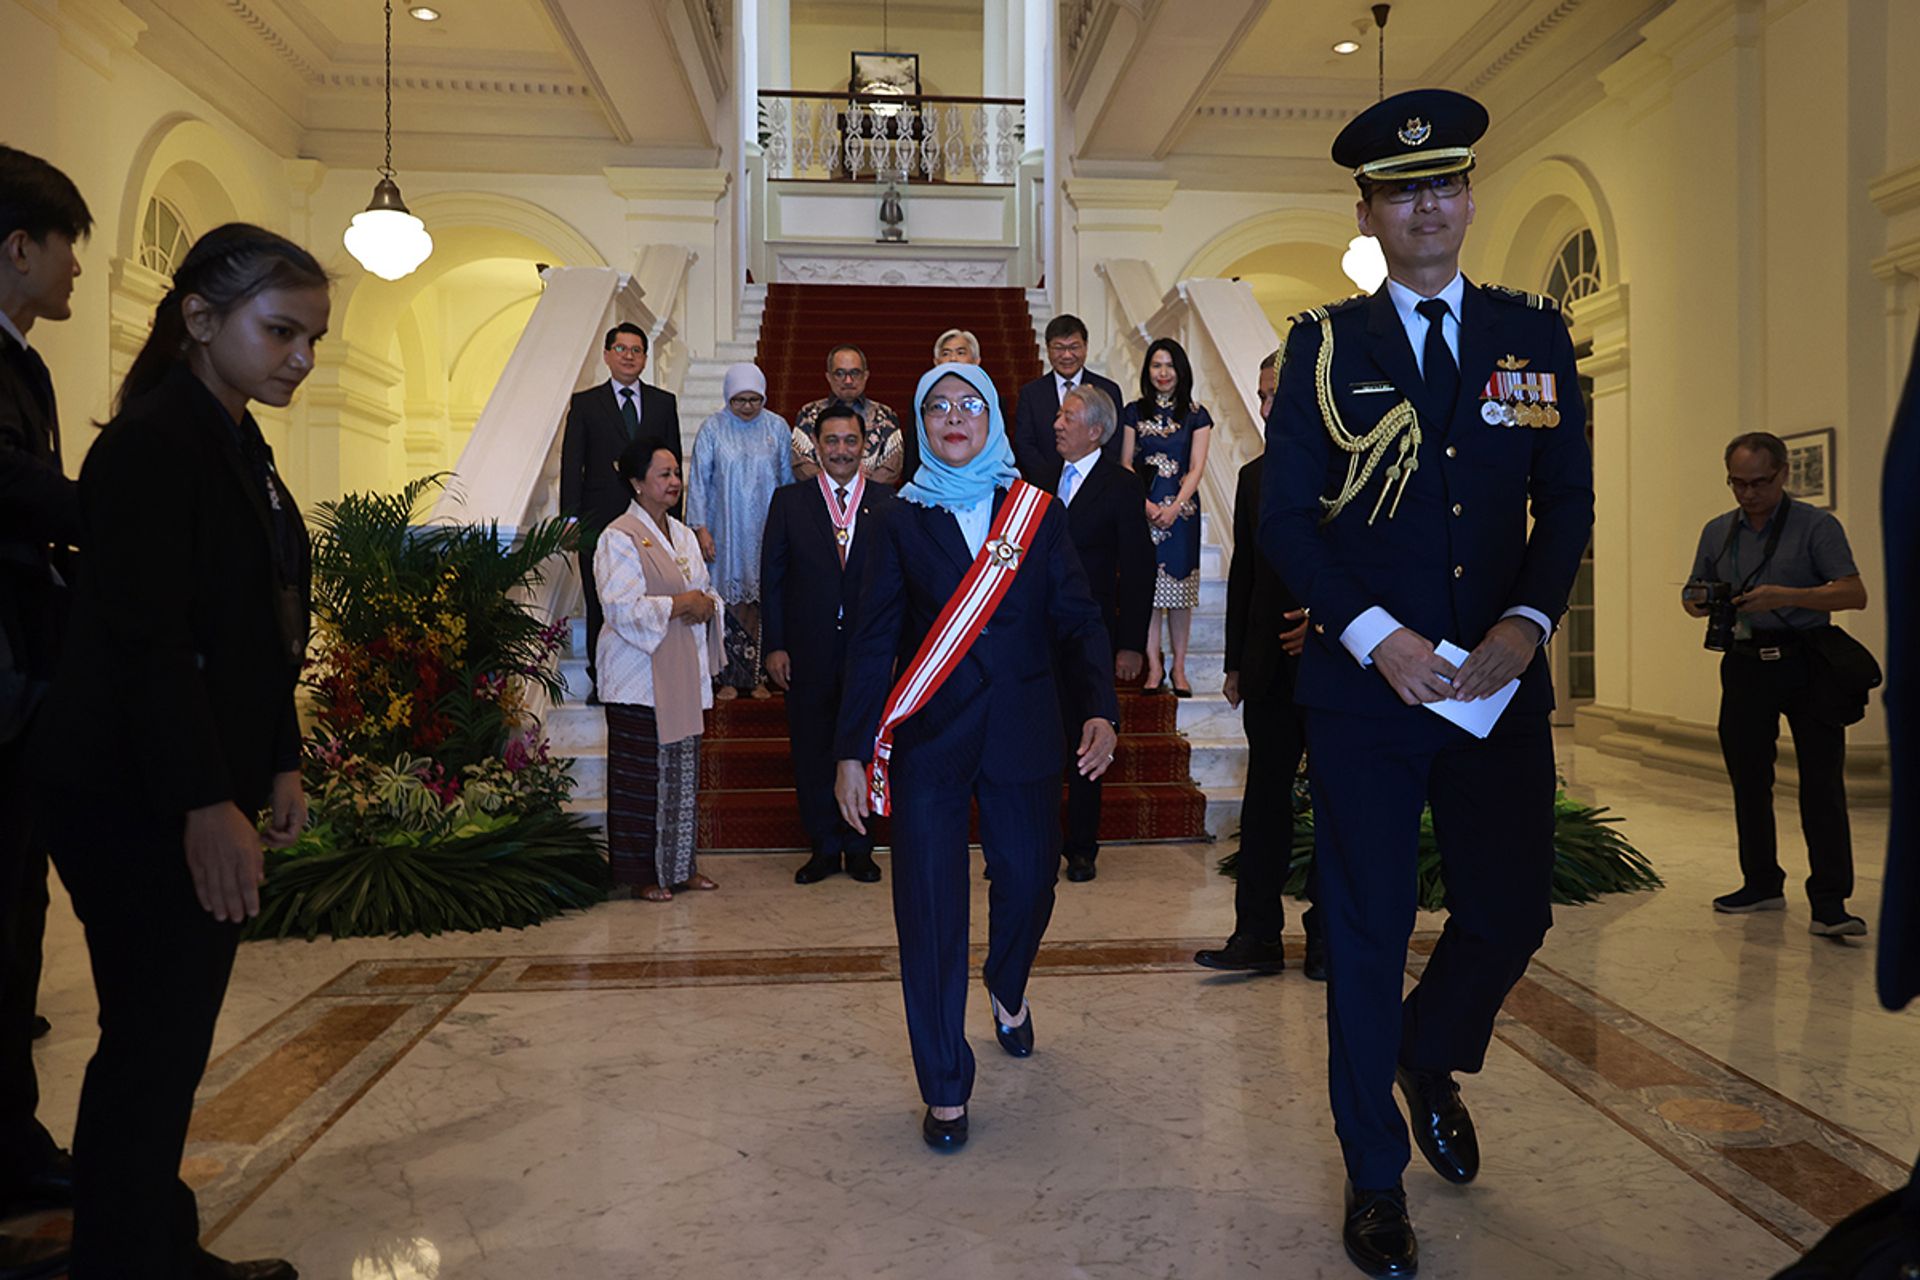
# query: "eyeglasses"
x,y
628,351
846,375
972,406
1738,485
1066,348
1446,186
747,398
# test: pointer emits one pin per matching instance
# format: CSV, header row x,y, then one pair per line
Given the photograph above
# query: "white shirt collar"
x,y
1061,385
618,386
12,330
1405,299
1084,467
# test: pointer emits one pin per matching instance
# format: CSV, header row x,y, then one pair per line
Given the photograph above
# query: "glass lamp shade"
x,y
1363,262
385,237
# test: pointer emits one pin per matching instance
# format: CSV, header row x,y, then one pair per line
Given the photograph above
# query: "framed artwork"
x,y
1810,467
897,74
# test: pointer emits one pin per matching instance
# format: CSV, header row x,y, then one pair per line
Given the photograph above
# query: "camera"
x,y
1717,598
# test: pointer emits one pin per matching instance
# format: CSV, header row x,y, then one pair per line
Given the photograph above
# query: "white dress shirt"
x,y
1063,385
1364,634
1080,471
619,400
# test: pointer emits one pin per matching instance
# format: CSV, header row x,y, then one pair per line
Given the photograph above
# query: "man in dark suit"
x,y
42,215
1461,406
1266,630
1040,400
815,549
601,422
1103,501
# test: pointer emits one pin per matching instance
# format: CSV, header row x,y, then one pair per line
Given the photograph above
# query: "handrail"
x,y
847,95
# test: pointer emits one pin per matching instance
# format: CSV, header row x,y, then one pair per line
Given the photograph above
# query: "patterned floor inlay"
x,y
270,1098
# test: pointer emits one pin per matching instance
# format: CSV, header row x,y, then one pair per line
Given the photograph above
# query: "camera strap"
x,y
1766,558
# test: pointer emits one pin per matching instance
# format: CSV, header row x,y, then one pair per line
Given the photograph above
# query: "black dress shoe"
x,y
1378,1234
1080,870
40,1026
1017,1041
30,1258
1316,964
1243,954
1442,1129
944,1135
818,868
862,868
50,1187
211,1268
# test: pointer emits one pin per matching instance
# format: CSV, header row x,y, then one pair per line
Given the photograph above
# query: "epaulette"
x,y
1317,314
1521,298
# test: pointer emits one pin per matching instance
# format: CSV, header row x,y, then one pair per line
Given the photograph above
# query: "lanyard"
x,y
1773,544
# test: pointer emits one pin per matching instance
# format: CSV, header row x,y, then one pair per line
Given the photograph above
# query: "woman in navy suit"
x,y
979,737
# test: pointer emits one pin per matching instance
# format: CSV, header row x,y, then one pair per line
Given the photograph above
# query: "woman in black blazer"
x,y
171,726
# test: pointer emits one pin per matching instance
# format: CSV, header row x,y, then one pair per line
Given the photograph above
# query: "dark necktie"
x,y
629,412
1437,364
839,534
840,493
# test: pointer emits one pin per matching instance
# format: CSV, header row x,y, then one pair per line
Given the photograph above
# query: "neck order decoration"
x,y
1401,423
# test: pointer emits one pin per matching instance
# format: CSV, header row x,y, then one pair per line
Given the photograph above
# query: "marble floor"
x,y
719,1087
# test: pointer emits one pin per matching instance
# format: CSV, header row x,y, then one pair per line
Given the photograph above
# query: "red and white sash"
x,y
966,614
843,520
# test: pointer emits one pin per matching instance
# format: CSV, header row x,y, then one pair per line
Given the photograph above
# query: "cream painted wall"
x,y
948,40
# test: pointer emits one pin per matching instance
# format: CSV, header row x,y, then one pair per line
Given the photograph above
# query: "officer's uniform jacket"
x,y
1444,546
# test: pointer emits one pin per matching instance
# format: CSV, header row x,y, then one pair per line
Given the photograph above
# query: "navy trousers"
x,y
1020,836
810,719
1492,807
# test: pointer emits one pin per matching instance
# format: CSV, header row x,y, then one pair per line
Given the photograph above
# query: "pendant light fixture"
x,y
385,237
1364,263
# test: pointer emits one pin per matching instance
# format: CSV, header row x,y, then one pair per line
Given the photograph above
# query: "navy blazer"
x,y
1900,516
982,722
1257,601
1034,450
596,435
39,520
809,604
1458,554
1108,521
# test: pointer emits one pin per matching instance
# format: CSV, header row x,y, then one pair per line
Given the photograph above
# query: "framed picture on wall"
x,y
1810,467
897,74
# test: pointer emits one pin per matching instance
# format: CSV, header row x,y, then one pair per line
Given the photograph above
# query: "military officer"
x,y
1410,431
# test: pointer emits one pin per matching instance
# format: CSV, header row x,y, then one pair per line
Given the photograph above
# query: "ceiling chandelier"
x,y
385,237
1364,262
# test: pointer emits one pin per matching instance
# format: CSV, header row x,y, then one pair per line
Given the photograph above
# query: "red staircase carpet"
x,y
746,775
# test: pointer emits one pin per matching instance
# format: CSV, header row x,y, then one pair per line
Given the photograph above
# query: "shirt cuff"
x,y
1534,616
1365,633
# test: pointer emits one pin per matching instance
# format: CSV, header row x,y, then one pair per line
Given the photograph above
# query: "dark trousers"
x,y
160,968
1083,794
1019,834
810,721
1492,807
1753,696
25,1145
1276,739
594,617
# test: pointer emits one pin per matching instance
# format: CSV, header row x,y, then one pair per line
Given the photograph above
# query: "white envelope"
x,y
1477,718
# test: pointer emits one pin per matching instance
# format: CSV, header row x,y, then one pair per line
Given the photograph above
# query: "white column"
x,y
995,81
775,33
1037,71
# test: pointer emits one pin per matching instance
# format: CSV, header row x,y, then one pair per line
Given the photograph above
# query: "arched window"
x,y
164,237
1576,270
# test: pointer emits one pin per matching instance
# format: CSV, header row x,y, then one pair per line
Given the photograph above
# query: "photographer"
x,y
1767,577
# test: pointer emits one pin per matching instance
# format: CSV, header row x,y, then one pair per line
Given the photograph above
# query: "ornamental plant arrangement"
x,y
436,802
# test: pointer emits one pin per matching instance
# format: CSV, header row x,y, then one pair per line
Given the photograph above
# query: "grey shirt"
x,y
1813,551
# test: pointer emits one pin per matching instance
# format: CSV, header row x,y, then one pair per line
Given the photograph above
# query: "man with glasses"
x,y
883,459
1414,433
601,422
1788,568
1034,449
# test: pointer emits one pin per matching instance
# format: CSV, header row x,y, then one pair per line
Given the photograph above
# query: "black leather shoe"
x,y
30,1258
1378,1234
40,1026
1442,1129
212,1268
818,868
862,868
1080,870
944,1135
1017,1041
1243,954
51,1187
1316,964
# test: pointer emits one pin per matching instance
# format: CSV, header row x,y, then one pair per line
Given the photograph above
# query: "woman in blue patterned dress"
x,y
1166,441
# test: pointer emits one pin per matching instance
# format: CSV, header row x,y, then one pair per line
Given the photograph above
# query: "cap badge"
x,y
1415,131
1514,362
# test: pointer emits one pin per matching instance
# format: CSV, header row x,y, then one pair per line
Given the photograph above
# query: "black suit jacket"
x,y
1900,524
596,435
808,603
39,515
1458,552
178,677
1033,447
1257,601
1108,523
981,723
